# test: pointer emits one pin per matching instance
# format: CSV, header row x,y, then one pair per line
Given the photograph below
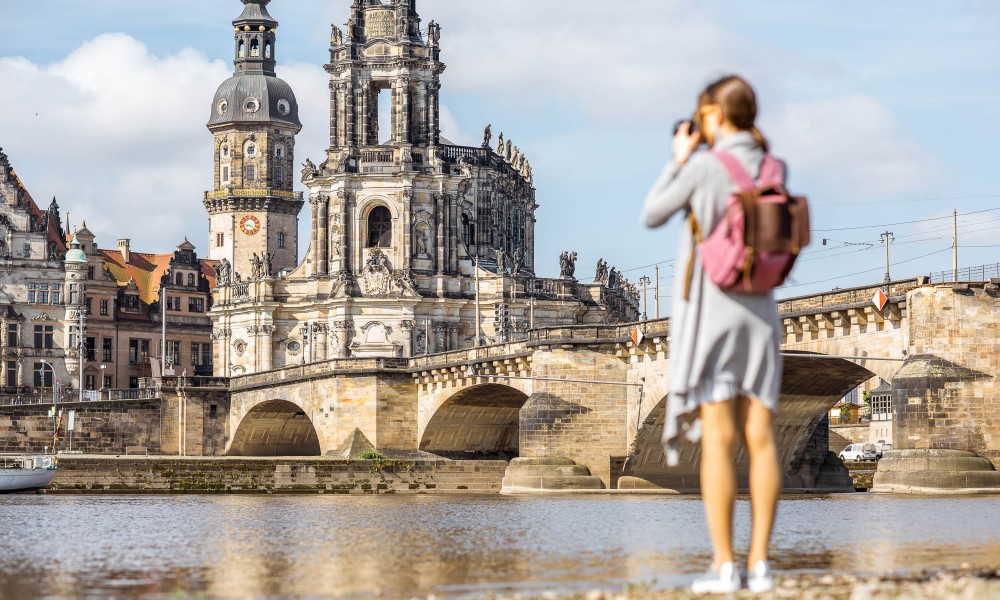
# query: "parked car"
x,y
859,452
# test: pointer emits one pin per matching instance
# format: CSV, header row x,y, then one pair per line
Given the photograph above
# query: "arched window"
x,y
180,279
468,230
379,228
191,279
254,48
267,50
242,52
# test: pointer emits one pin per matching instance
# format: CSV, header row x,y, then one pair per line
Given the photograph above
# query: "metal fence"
x,y
980,273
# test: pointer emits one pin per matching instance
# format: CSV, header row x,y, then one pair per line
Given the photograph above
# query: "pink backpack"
x,y
754,247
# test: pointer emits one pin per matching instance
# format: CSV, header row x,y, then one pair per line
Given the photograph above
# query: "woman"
x,y
724,351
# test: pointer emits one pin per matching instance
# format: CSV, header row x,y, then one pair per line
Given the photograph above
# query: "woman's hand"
x,y
685,142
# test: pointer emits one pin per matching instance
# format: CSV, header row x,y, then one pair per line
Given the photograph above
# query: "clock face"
x,y
250,225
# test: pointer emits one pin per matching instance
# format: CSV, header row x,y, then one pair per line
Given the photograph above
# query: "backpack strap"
x,y
739,174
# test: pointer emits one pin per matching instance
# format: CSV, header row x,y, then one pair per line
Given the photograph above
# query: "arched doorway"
x,y
478,422
275,428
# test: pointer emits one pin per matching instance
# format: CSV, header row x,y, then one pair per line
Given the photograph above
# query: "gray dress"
x,y
722,345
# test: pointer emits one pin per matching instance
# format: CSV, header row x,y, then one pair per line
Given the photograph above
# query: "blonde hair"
x,y
738,102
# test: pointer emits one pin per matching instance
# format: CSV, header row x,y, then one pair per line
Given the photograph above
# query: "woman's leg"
x,y
718,475
757,423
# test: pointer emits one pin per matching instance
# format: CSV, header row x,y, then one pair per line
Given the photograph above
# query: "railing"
x,y
469,355
73,397
980,273
253,193
846,297
320,368
383,157
241,290
482,157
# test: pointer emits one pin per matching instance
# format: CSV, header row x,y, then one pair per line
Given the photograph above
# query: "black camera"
x,y
692,130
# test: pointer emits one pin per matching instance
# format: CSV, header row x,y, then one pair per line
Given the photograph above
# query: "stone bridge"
x,y
585,393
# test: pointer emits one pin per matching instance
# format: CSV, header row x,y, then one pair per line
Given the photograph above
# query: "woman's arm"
x,y
672,191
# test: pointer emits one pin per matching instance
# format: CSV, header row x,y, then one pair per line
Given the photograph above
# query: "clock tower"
x,y
253,212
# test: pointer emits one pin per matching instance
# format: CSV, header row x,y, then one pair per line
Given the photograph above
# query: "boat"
x,y
26,473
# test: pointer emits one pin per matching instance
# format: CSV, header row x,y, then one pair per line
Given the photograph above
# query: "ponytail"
x,y
759,137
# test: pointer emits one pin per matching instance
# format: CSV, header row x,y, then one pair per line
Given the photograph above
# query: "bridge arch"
x,y
480,421
275,428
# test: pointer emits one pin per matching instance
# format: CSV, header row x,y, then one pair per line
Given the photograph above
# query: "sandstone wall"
x,y
101,427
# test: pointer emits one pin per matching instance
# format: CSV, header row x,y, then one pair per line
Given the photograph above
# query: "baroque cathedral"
x,y
417,245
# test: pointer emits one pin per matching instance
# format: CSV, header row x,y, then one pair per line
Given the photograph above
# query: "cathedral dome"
x,y
255,98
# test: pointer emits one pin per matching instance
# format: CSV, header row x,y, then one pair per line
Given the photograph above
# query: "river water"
x,y
398,546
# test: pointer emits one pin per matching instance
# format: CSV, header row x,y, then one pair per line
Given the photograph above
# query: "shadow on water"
x,y
237,546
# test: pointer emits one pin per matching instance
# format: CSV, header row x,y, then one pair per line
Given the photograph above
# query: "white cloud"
x,y
117,134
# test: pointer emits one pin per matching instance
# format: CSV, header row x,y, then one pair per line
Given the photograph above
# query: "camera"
x,y
678,124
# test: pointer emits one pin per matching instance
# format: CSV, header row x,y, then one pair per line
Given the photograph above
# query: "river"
x,y
397,546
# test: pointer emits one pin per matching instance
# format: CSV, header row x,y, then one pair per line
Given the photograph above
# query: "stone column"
x,y
322,343
344,330
323,232
314,246
334,114
434,118
439,221
407,327
264,346
404,112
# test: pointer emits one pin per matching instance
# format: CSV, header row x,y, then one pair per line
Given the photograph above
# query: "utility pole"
x,y
656,293
954,246
644,281
887,238
427,336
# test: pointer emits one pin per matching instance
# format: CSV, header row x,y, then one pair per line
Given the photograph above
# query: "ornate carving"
x,y
240,347
601,274
336,37
309,171
223,273
378,279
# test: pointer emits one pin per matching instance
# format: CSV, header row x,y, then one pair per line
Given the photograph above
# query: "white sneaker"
x,y
760,579
726,580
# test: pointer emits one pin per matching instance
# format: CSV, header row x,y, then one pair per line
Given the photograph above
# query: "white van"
x,y
858,453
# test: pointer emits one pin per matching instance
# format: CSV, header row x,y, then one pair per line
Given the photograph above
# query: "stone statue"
x,y
614,279
500,147
336,36
268,270
422,242
501,261
567,264
601,275
518,261
515,158
256,266
487,136
224,273
309,170
434,33
510,147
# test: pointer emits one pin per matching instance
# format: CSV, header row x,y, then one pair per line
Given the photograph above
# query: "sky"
x,y
886,114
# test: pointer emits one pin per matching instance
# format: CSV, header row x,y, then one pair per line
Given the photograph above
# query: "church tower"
x,y
253,212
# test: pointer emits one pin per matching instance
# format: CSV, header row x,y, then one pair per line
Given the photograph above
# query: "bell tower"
x,y
253,212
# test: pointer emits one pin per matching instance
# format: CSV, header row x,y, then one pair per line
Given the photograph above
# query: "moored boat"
x,y
26,473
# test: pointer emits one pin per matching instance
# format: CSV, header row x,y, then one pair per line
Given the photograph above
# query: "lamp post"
x,y
645,281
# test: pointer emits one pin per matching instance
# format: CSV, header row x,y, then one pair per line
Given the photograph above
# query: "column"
x,y
404,111
322,341
334,116
314,246
439,222
264,346
350,114
434,119
323,232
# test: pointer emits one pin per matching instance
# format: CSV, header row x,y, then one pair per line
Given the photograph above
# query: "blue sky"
x,y
886,113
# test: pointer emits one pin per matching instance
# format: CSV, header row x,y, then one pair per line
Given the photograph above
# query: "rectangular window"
x,y
174,303
107,350
131,302
73,330
74,294
43,336
107,381
213,411
133,383
104,308
251,173
91,349
196,305
90,306
173,353
220,240
281,240
278,172
201,354
89,382
90,273
11,373
43,375
27,250
55,297
133,351
12,335
225,174
43,297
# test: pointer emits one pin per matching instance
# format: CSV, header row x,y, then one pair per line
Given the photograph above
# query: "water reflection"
x,y
240,546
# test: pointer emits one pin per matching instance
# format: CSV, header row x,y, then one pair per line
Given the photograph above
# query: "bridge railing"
x,y
320,368
845,297
73,397
454,357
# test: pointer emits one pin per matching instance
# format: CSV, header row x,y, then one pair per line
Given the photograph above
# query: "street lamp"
x,y
645,281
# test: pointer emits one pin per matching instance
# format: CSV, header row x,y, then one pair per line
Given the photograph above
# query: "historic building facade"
x,y
122,293
31,287
417,245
